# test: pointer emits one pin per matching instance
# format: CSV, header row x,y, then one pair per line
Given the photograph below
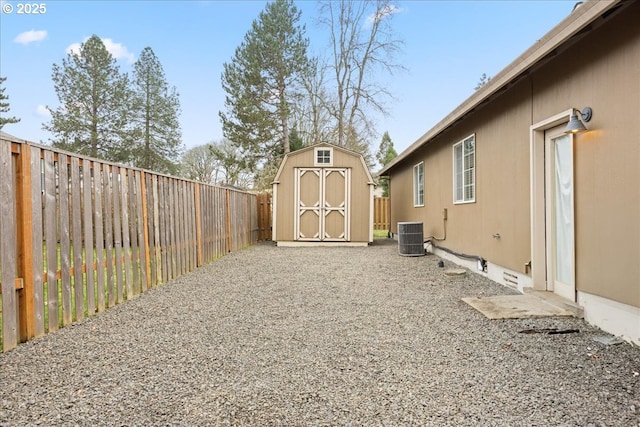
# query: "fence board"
x,y
126,243
264,216
179,226
184,187
8,244
162,218
108,232
117,234
65,241
51,238
189,223
156,231
381,213
173,206
146,234
89,257
99,232
76,238
69,257
141,230
36,244
135,260
152,204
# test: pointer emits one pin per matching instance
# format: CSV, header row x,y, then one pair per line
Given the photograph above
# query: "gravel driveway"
x,y
318,337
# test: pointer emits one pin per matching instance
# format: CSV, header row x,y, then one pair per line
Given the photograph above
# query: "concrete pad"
x,y
515,307
455,272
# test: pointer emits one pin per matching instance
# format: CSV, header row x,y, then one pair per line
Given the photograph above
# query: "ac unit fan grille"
x,y
410,239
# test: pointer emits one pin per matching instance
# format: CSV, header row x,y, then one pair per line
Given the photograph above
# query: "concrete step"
x,y
558,301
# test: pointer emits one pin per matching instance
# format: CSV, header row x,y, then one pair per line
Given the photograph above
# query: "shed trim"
x,y
276,179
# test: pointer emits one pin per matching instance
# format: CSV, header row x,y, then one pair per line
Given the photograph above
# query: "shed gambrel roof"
x,y
276,180
584,18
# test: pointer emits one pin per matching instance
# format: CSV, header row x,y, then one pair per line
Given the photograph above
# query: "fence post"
x,y
25,245
248,219
228,206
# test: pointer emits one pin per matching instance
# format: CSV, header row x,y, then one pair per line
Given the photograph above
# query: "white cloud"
x,y
42,110
390,9
31,36
74,48
117,50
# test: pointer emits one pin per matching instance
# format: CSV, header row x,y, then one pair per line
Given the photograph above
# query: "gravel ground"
x,y
318,337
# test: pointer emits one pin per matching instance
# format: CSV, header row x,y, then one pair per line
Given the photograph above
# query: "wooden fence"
x,y
79,235
264,216
381,213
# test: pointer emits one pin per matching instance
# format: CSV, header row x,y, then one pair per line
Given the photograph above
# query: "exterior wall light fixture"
x,y
575,125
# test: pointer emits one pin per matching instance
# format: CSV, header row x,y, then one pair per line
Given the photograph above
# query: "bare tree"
x,y
363,47
199,164
234,169
310,116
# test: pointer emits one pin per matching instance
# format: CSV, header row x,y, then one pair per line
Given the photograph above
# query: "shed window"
x,y
418,185
323,156
464,170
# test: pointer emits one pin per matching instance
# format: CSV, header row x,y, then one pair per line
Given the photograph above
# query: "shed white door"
x,y
322,204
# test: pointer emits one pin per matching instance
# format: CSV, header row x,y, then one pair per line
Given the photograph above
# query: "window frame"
x,y
465,167
417,186
315,156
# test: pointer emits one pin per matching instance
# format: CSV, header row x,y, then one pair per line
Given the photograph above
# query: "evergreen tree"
x,y
156,130
94,97
4,107
385,154
295,140
261,80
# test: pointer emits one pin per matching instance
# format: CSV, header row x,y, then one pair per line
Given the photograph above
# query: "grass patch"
x,y
380,234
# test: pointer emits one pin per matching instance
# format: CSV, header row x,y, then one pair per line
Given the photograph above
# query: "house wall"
x,y
360,194
502,205
601,70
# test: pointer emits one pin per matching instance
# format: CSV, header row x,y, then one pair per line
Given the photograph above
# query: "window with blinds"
x,y
418,185
464,170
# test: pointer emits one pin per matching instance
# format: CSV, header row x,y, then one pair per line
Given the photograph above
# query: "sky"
x,y
447,46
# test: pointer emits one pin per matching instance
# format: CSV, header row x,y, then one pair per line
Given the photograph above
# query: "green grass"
x,y
58,284
379,234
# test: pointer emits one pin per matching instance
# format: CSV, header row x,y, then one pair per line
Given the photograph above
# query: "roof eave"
x,y
561,33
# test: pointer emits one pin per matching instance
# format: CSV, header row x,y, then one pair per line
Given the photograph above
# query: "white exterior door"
x,y
321,204
559,218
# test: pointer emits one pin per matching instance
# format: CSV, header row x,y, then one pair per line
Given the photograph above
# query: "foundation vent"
x,y
510,279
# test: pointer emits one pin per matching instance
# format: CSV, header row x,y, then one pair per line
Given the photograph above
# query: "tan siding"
x,y
601,71
360,196
501,206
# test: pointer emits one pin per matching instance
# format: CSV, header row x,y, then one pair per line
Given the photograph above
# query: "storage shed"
x,y
323,195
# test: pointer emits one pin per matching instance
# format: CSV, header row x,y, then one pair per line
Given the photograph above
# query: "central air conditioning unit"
x,y
410,239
